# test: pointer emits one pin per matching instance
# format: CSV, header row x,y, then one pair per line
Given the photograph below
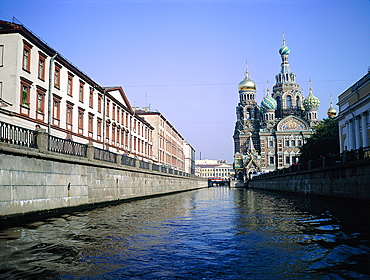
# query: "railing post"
x,y
119,159
42,140
309,165
90,151
323,162
345,156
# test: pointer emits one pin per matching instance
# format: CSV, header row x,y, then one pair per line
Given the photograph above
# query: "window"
x,y
299,142
70,84
100,99
56,110
118,113
69,116
271,143
40,103
122,137
107,132
91,124
288,102
41,70
108,106
99,128
293,143
57,75
91,97
271,160
25,93
81,92
113,133
114,111
286,143
1,55
118,134
26,63
81,112
287,159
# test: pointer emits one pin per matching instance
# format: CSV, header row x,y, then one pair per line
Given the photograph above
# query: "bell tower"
x,y
247,117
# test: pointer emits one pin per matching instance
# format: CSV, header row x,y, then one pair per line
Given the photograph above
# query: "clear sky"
x,y
186,58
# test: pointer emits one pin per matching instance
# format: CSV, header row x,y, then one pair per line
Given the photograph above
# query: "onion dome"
x,y
311,101
246,84
284,50
268,103
331,112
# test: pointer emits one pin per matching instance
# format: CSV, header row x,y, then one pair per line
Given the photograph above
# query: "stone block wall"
x,y
31,181
346,181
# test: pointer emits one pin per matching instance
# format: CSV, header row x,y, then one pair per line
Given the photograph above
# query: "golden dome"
x,y
246,84
331,111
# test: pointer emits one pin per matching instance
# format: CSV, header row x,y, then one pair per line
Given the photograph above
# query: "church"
x,y
267,136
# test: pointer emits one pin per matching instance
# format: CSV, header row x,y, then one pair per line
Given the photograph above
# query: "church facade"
x,y
267,136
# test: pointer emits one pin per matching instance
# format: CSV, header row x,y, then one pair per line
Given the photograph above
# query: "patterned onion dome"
x,y
246,84
311,101
268,103
284,50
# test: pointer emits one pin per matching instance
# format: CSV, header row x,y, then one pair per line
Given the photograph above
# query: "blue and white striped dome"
x,y
284,50
268,103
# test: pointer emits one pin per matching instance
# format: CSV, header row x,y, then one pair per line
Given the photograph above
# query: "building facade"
x,y
353,115
41,88
267,136
170,147
213,169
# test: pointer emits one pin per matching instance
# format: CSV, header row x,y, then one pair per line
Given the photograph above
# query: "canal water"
x,y
214,233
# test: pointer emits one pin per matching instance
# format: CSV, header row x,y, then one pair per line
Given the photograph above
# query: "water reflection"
x,y
215,233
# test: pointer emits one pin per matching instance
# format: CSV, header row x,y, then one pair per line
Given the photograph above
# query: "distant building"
x,y
213,169
189,153
268,136
169,147
353,116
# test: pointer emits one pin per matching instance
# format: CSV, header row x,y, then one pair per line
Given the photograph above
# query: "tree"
x,y
325,140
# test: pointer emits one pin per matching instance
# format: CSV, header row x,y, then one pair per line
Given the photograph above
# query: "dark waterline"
x,y
215,233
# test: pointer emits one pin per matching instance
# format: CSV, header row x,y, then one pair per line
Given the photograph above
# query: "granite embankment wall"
x,y
35,182
345,180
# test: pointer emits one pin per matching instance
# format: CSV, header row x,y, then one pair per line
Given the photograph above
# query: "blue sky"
x,y
186,58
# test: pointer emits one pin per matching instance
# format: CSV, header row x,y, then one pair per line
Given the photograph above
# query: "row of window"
x,y
288,160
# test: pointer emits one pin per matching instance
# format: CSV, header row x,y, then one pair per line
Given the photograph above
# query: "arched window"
x,y
278,102
288,102
297,102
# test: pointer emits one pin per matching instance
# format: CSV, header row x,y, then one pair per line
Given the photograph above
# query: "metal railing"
x,y
104,155
324,162
68,147
16,135
128,161
143,164
13,134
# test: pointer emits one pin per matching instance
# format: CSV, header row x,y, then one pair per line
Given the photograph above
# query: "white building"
x,y
40,87
353,116
213,169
